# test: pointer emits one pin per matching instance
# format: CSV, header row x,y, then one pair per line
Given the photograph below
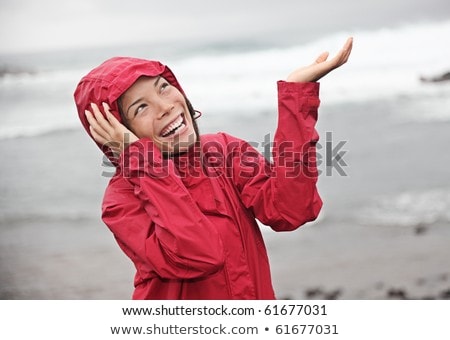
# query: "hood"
x,y
108,81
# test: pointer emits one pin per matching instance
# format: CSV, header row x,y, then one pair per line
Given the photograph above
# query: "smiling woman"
x,y
182,206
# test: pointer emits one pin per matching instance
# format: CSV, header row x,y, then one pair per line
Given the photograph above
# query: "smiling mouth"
x,y
176,125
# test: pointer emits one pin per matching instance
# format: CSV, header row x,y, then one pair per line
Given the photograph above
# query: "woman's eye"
x,y
164,86
139,109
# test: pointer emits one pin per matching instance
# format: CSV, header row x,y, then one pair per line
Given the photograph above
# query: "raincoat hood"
x,y
108,81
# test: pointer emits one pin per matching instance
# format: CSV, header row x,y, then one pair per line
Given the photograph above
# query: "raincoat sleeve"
x,y
282,193
155,220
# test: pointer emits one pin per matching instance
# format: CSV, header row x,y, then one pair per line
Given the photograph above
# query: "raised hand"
x,y
108,130
321,65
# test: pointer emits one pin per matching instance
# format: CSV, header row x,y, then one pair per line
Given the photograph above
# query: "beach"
x,y
360,247
384,230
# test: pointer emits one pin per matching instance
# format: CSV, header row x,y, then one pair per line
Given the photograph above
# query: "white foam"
x,y
35,104
385,65
412,208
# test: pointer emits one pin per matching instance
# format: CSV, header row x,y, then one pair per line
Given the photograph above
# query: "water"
x,y
394,129
385,64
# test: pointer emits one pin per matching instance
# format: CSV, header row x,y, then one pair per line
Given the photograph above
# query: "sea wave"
x,y
35,104
11,220
408,209
386,64
34,131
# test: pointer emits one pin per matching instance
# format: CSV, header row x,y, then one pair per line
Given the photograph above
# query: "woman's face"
x,y
155,109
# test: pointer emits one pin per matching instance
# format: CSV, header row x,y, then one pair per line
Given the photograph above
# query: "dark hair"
x,y
193,114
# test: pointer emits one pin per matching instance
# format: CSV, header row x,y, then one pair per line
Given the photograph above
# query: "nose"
x,y
165,108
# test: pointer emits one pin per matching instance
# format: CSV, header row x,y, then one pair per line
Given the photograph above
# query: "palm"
x,y
322,66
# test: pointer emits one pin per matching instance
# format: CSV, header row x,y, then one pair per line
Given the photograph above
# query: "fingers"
x,y
108,131
348,45
100,128
321,58
347,49
344,53
322,65
98,138
101,120
109,116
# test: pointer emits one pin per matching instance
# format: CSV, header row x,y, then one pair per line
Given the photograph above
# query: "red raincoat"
x,y
188,222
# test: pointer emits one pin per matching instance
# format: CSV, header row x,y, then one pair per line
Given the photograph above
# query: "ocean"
x,y
384,175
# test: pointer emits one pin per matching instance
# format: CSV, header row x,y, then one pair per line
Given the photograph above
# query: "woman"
x,y
182,206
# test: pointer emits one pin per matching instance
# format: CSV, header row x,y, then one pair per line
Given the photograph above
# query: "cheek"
x,y
143,127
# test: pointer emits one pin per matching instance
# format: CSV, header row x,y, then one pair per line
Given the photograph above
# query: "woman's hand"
x,y
321,65
109,131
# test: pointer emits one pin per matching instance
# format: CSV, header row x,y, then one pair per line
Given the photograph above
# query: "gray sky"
x,y
30,25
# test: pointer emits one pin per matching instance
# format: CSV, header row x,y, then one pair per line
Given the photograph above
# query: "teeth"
x,y
172,127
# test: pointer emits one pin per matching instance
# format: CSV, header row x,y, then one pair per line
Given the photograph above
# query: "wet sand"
x,y
320,261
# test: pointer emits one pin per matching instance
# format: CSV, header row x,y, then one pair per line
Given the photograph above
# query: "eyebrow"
x,y
157,81
134,103
155,84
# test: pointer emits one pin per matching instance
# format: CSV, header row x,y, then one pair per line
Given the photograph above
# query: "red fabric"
x,y
188,222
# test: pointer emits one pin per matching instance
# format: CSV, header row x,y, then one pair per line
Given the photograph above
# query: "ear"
x,y
197,114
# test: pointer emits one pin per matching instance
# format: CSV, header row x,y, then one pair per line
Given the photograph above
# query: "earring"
x,y
197,114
